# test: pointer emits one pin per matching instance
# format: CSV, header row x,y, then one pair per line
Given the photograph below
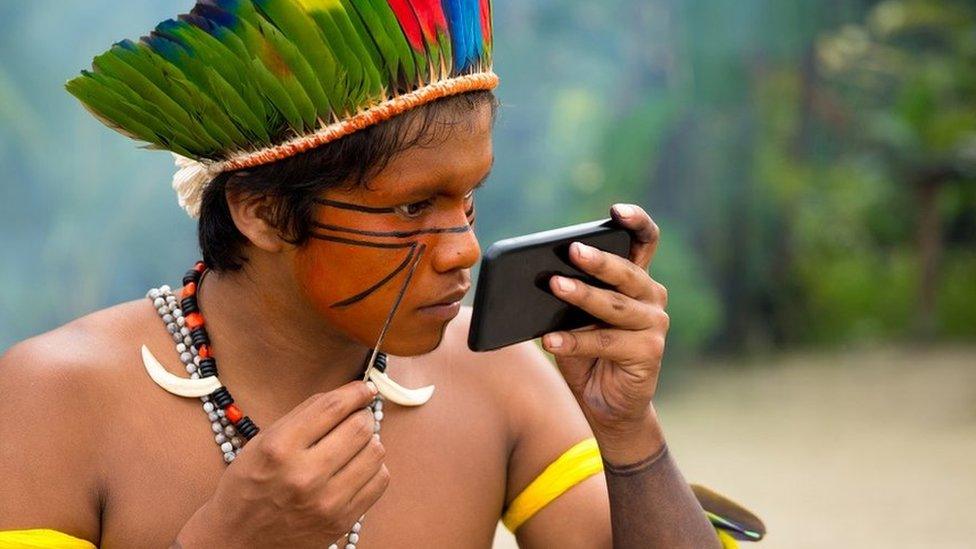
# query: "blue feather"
x,y
464,21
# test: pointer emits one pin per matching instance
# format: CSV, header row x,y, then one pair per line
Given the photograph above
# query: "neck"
x,y
269,345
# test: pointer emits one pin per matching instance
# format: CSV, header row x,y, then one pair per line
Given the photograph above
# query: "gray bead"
x,y
186,339
177,337
376,427
208,407
172,328
221,413
216,426
178,313
227,447
186,357
191,368
212,416
185,331
229,457
167,318
162,310
220,438
237,442
378,404
205,398
196,360
229,430
378,415
224,421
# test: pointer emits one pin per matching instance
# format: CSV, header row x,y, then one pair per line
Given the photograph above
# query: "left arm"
x,y
612,370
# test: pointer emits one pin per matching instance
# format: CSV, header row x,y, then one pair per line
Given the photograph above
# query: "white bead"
x,y
216,426
191,368
229,430
194,375
196,360
350,546
180,347
162,310
333,546
208,407
378,404
205,398
221,412
212,416
165,289
185,331
154,293
220,438
159,302
178,313
357,527
229,457
180,321
186,339
354,538
223,421
186,357
376,427
167,318
227,447
378,415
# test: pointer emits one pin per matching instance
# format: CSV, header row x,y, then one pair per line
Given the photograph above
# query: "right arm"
x,y
49,472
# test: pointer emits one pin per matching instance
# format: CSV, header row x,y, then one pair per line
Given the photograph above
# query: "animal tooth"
x,y
178,385
396,393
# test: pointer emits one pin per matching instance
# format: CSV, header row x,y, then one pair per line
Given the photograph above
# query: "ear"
x,y
251,214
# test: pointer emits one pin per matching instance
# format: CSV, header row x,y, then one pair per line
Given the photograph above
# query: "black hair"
x,y
294,183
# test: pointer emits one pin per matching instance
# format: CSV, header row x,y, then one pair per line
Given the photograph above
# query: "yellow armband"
x,y
41,538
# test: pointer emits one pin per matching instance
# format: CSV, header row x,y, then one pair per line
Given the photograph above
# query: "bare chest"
x,y
447,465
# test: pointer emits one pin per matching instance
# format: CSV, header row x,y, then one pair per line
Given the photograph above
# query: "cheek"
x,y
328,273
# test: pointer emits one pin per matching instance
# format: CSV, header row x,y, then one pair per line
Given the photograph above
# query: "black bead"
x,y
191,276
221,397
189,305
207,368
199,337
247,428
380,363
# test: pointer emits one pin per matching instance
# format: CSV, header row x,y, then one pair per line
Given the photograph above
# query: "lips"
x,y
449,298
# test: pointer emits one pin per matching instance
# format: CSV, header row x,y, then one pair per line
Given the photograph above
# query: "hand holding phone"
x,y
513,302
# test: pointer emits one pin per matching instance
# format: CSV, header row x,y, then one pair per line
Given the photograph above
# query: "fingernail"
x,y
372,387
565,284
584,251
624,210
554,341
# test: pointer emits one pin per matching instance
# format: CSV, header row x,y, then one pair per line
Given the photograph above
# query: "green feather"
x,y
300,71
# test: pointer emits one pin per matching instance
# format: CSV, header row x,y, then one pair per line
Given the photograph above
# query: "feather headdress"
x,y
241,83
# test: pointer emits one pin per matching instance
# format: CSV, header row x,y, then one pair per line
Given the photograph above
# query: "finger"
x,y
619,346
324,413
628,278
371,492
612,307
357,473
342,444
644,230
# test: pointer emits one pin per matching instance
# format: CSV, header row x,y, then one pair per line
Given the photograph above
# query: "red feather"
x,y
408,22
431,17
486,21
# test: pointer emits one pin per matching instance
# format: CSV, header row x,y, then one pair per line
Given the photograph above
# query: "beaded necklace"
x,y
232,429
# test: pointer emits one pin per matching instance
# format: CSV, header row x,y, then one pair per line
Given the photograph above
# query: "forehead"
x,y
457,157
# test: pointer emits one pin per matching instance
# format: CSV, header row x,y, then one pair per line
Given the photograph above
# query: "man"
x,y
313,234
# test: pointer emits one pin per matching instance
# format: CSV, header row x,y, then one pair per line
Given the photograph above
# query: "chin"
x,y
415,343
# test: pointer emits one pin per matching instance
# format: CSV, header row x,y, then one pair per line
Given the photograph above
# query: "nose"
x,y
456,250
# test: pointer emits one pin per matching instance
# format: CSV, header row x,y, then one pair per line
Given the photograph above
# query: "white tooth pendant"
x,y
398,394
178,385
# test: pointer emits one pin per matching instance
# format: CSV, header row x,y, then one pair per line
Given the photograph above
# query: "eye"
x,y
414,209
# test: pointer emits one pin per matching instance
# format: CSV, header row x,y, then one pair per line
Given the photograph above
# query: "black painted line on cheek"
x,y
362,295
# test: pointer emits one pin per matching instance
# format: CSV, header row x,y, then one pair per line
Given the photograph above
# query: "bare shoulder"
x,y
56,391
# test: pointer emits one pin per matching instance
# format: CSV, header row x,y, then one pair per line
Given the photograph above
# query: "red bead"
x,y
233,413
194,320
199,267
203,351
190,289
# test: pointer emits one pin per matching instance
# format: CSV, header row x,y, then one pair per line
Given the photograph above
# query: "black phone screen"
x,y
513,302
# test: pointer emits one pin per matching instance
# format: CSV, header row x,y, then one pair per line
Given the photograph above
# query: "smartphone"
x,y
513,302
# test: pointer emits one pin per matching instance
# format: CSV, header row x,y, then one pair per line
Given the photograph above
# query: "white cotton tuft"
x,y
189,182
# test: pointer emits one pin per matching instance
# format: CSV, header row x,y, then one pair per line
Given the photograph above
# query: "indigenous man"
x,y
331,150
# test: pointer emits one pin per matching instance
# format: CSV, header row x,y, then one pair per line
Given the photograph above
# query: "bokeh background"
x,y
811,164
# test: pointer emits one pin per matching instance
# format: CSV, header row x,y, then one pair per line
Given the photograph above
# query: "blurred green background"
x,y
811,164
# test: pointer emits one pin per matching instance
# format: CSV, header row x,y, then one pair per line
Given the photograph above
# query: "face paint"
x,y
416,213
